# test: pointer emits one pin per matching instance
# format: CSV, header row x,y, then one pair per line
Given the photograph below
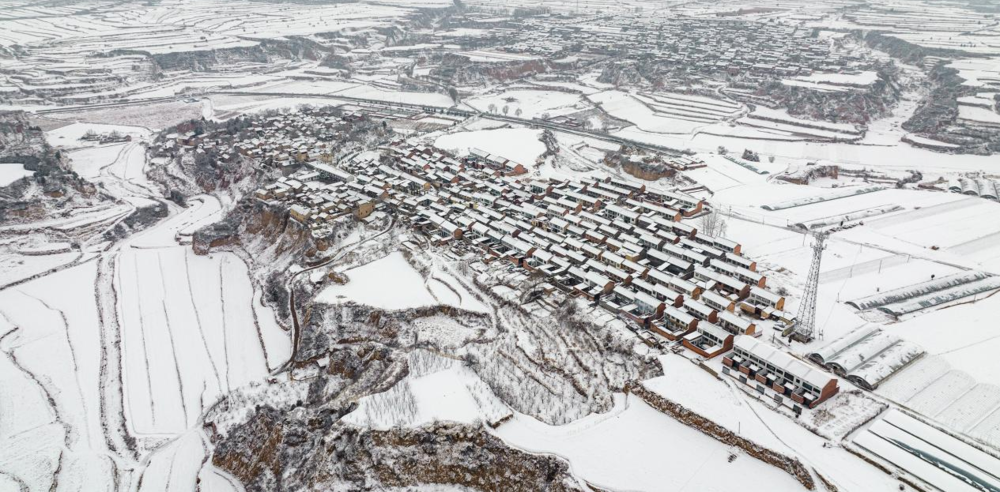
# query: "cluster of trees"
x,y
505,109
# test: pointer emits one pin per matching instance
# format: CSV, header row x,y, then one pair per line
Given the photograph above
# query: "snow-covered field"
x,y
388,283
181,330
517,144
634,447
656,117
103,341
50,381
727,405
189,338
10,172
531,103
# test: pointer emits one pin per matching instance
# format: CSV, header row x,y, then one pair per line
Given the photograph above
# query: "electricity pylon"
x,y
807,329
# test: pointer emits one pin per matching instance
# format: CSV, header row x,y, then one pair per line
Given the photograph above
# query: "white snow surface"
x,y
517,144
10,172
388,283
635,447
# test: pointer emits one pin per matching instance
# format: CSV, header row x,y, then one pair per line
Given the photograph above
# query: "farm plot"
x,y
954,387
530,103
50,364
367,285
303,87
10,172
929,25
929,454
775,120
797,131
656,116
89,162
982,250
977,116
517,144
423,98
191,327
16,266
626,450
941,393
436,389
979,72
954,223
696,108
807,206
966,335
727,406
860,79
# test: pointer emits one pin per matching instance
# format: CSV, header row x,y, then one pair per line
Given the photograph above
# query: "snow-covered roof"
x,y
780,359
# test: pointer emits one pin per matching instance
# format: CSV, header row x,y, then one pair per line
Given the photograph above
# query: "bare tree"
x,y
713,223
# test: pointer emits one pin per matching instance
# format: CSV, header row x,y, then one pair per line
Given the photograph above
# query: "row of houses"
x,y
615,242
766,369
624,247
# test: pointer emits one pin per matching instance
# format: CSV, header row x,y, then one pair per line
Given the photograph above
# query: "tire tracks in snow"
x,y
145,348
170,336
791,449
197,317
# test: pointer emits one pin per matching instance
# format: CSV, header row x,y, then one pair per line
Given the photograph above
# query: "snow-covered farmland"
x,y
175,329
930,455
367,285
635,447
530,103
517,144
10,172
729,406
51,366
195,334
189,338
979,72
969,341
664,113
860,79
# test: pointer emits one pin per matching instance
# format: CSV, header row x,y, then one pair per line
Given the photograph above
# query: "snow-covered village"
x,y
469,245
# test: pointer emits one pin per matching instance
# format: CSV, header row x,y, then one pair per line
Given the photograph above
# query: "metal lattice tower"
x,y
807,310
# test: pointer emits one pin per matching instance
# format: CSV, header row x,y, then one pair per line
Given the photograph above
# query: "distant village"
x,y
748,53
